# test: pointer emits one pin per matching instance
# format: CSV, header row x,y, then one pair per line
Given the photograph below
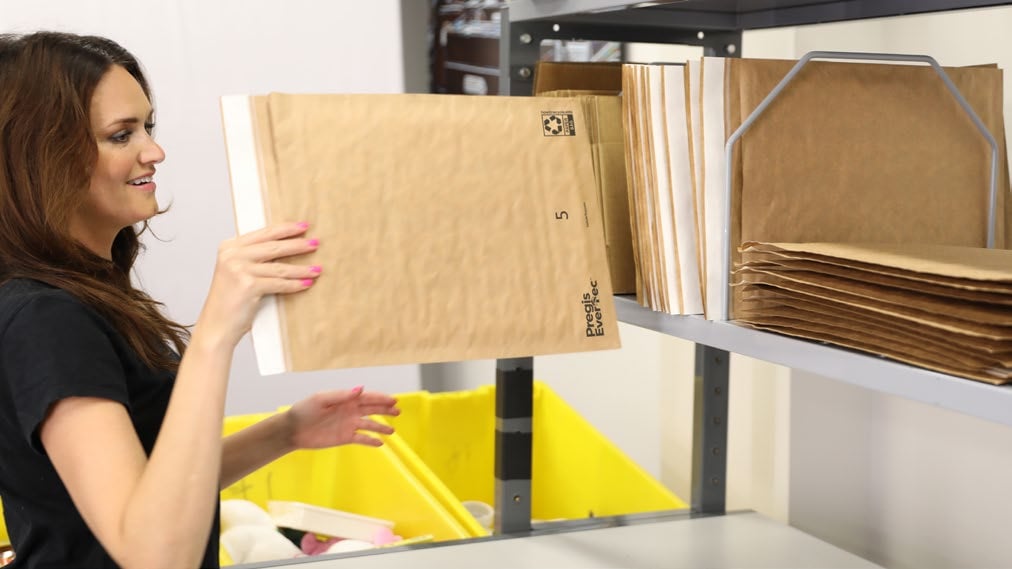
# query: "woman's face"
x,y
122,190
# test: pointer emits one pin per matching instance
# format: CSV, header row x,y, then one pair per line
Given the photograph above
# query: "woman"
x,y
110,446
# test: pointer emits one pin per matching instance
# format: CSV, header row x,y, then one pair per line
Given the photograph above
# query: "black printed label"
x,y
558,123
592,311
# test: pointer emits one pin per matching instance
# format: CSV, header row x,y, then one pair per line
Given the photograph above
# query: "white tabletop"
x,y
738,540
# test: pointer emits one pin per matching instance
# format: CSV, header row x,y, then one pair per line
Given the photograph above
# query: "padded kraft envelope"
x,y
451,227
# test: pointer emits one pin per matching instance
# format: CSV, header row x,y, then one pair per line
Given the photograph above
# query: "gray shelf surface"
x,y
728,14
739,540
989,402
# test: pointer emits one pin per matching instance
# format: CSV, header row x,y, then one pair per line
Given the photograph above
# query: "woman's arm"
x,y
157,511
253,447
323,420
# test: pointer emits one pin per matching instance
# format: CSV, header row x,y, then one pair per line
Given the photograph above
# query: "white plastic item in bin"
x,y
481,511
325,521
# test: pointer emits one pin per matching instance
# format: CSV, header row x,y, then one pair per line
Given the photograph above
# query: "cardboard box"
x,y
597,86
451,227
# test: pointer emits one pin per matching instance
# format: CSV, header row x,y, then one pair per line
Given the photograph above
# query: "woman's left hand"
x,y
332,418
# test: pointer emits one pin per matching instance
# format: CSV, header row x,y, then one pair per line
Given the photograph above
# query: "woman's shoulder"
x,y
20,290
17,294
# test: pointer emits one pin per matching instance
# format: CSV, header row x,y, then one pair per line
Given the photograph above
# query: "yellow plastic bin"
x,y
4,538
576,472
353,478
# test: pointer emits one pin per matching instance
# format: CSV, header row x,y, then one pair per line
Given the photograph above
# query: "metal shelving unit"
x,y
717,25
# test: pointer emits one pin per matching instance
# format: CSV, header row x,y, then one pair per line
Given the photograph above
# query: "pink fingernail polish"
x,y
316,269
303,224
307,282
314,242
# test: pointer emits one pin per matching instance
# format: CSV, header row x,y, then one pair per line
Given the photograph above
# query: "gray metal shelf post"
x,y
514,409
709,430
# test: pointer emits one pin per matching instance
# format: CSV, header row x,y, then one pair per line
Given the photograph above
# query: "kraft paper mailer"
x,y
905,303
694,123
904,353
451,227
947,308
660,191
654,154
852,152
630,122
974,264
940,350
714,128
653,210
603,112
950,288
924,350
661,187
583,76
640,163
679,173
599,86
760,301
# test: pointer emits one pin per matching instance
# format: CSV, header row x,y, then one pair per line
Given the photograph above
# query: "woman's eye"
x,y
121,136
150,127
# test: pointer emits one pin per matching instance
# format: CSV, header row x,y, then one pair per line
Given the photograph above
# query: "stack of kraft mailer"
x,y
944,308
850,152
659,171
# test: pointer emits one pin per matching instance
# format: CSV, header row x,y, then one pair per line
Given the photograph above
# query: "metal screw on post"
x,y
526,38
524,72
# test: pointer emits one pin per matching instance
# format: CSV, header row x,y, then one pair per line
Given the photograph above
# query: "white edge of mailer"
x,y
247,197
715,206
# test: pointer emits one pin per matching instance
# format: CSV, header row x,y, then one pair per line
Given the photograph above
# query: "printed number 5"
x,y
561,215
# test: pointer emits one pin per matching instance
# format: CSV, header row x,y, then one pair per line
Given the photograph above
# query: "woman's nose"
x,y
152,153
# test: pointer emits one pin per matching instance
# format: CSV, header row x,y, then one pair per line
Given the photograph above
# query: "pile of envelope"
x,y
849,152
944,308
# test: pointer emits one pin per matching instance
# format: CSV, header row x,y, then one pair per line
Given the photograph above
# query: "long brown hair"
x,y
47,154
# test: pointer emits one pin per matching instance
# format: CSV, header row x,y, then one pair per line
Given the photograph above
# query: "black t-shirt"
x,y
53,346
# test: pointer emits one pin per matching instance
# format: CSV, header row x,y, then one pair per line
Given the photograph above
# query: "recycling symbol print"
x,y
553,125
558,123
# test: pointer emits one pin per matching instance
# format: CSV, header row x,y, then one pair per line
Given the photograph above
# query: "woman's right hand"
x,y
248,268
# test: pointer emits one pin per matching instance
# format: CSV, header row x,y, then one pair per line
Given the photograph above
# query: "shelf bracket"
x,y
520,44
514,407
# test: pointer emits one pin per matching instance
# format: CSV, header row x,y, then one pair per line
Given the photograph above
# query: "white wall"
x,y
197,50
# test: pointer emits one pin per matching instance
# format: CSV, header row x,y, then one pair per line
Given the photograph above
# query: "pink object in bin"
x,y
384,536
313,545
